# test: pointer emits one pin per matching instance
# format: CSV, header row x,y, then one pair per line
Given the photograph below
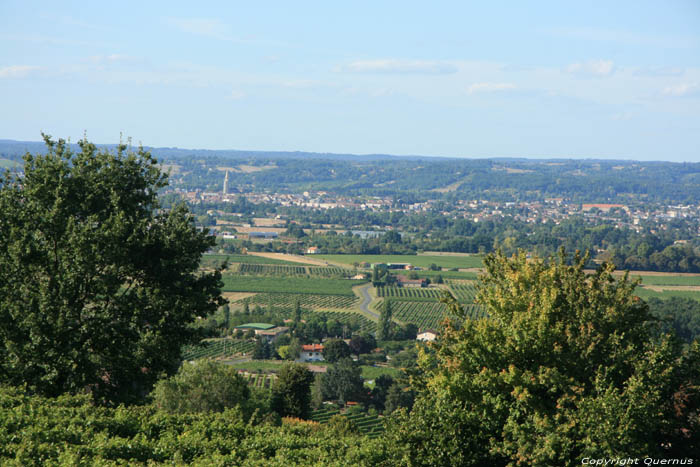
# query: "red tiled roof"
x,y
312,347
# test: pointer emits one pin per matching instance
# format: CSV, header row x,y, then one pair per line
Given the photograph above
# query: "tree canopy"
x,y
568,364
97,283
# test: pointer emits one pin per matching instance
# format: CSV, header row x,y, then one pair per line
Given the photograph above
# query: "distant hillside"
x,y
420,178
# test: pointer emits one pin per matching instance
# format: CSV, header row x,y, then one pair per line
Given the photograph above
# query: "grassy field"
x,y
293,285
447,262
669,279
646,293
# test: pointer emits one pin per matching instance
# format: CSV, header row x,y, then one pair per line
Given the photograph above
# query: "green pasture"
x,y
669,279
646,293
447,262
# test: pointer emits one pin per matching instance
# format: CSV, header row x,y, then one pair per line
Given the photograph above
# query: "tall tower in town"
x,y
226,183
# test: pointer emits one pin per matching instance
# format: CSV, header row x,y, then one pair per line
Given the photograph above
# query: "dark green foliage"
x,y
204,386
343,382
398,396
97,285
386,326
681,315
335,349
263,350
291,395
362,343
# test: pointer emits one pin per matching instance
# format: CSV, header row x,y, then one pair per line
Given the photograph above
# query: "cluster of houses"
x,y
309,352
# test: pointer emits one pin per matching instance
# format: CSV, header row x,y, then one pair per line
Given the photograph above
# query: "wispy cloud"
x,y
201,27
112,58
236,95
216,29
593,68
490,87
17,71
398,66
682,90
624,37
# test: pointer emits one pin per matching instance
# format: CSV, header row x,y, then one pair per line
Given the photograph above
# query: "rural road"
x,y
366,299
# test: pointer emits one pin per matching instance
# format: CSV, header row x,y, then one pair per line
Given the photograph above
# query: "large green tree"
x,y
291,394
98,284
568,365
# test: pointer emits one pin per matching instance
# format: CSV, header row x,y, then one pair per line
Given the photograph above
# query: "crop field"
x,y
364,323
464,292
272,269
294,285
463,275
370,425
407,292
447,262
310,301
426,315
330,271
291,270
212,260
260,381
216,348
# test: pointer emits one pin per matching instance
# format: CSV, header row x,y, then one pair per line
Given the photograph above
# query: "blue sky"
x,y
609,79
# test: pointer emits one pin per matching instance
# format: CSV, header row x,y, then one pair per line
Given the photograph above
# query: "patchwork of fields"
x,y
278,284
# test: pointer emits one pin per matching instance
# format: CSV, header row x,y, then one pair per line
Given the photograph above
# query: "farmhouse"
x,y
255,326
427,336
311,353
312,250
272,334
403,281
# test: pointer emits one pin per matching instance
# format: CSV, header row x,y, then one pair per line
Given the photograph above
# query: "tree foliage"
x,y
97,284
343,382
291,395
335,349
567,365
204,386
386,326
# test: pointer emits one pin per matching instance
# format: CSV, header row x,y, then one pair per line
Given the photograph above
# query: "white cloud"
x,y
17,71
393,65
681,90
490,87
594,67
